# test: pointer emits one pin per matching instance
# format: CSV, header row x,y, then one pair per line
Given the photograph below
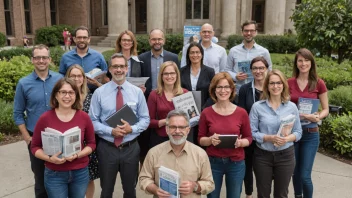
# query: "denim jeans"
x,y
305,151
63,184
234,174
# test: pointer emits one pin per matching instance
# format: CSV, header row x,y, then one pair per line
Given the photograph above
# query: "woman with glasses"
x,y
160,100
66,176
76,73
249,94
225,118
305,83
273,155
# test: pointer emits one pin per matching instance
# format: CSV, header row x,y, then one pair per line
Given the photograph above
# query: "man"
x,y
154,58
31,101
86,57
189,160
243,54
214,55
118,150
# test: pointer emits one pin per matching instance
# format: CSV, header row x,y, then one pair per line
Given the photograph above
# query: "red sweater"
x,y
159,107
237,123
295,92
50,119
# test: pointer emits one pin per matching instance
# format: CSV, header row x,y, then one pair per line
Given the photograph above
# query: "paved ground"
x,y
331,178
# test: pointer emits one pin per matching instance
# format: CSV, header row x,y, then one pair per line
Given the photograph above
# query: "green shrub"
x,y
2,136
341,96
334,74
51,36
18,51
326,135
56,54
11,71
107,55
2,40
274,43
7,124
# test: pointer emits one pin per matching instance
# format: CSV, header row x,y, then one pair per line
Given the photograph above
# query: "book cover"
x,y
307,106
125,113
169,181
227,141
244,66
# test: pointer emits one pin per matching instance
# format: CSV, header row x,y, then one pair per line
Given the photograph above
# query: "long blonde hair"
x,y
84,88
177,90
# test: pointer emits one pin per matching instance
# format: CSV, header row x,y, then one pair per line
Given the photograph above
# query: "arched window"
x,y
197,9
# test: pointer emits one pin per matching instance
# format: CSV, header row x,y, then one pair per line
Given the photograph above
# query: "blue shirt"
x,y
266,121
103,104
33,97
91,60
155,67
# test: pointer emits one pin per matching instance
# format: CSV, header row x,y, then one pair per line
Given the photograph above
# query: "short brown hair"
x,y
117,55
118,48
40,46
82,28
259,59
53,101
177,86
249,22
215,81
285,94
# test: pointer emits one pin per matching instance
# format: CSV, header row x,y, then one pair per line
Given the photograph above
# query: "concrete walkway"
x,y
331,178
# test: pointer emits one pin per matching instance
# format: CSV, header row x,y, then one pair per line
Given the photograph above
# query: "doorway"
x,y
258,10
141,16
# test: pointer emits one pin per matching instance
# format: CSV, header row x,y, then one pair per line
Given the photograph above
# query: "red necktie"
x,y
119,104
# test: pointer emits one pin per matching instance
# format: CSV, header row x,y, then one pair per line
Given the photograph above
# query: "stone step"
x,y
94,40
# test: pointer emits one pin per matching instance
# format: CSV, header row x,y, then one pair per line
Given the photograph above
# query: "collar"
x,y
255,45
88,51
210,46
162,53
115,85
35,75
169,149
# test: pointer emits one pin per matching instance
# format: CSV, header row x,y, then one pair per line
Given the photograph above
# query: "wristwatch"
x,y
195,187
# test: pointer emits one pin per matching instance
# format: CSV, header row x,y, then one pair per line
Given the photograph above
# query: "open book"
x,y
186,103
169,181
307,106
69,142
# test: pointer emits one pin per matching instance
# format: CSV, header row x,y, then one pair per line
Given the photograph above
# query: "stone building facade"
x,y
20,18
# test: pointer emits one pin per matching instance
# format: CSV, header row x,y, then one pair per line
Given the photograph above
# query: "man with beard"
x,y
31,101
84,56
190,161
118,150
214,55
154,58
240,56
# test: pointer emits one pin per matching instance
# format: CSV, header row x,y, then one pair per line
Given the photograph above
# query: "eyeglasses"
x,y
126,40
64,93
226,88
251,31
76,76
206,32
194,53
157,39
173,128
169,74
38,58
258,69
278,83
82,37
118,66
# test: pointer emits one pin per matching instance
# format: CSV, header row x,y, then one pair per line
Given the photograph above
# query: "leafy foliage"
x,y
7,124
56,54
2,40
342,96
325,25
18,51
51,36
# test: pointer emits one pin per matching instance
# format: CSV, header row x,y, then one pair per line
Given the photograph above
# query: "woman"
x,y
306,84
76,73
248,95
213,119
274,154
66,114
160,100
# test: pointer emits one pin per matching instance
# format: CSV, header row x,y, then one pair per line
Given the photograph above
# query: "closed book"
x,y
125,113
307,106
227,141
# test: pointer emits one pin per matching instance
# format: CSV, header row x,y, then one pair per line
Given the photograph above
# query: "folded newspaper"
x,y
286,125
169,181
137,81
95,73
69,142
186,103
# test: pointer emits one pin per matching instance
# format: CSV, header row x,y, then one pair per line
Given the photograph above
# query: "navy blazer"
x,y
205,76
145,59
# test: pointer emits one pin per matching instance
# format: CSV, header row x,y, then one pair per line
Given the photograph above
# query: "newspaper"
x,y
137,81
186,103
169,181
97,74
69,142
286,125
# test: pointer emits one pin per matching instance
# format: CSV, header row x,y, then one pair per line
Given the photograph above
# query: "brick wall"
x,y
73,13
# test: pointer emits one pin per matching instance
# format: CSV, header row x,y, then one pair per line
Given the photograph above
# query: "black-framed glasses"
x,y
258,68
226,88
118,66
38,58
173,128
249,31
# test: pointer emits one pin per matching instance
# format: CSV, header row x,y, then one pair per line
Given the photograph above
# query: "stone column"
x,y
229,18
290,7
274,20
117,16
246,11
155,14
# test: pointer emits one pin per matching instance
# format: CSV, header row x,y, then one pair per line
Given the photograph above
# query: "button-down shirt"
x,y
33,97
192,164
266,121
103,104
243,56
155,66
194,80
91,60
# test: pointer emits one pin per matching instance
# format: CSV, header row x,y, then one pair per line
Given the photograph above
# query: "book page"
x,y
51,143
72,142
169,181
186,103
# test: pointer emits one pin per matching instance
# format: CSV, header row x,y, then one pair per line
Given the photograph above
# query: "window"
x,y
27,16
8,16
105,12
197,9
53,12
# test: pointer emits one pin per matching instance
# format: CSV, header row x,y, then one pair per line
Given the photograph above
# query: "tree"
x,y
325,25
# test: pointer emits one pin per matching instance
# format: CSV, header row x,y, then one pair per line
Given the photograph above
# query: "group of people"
x,y
234,102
